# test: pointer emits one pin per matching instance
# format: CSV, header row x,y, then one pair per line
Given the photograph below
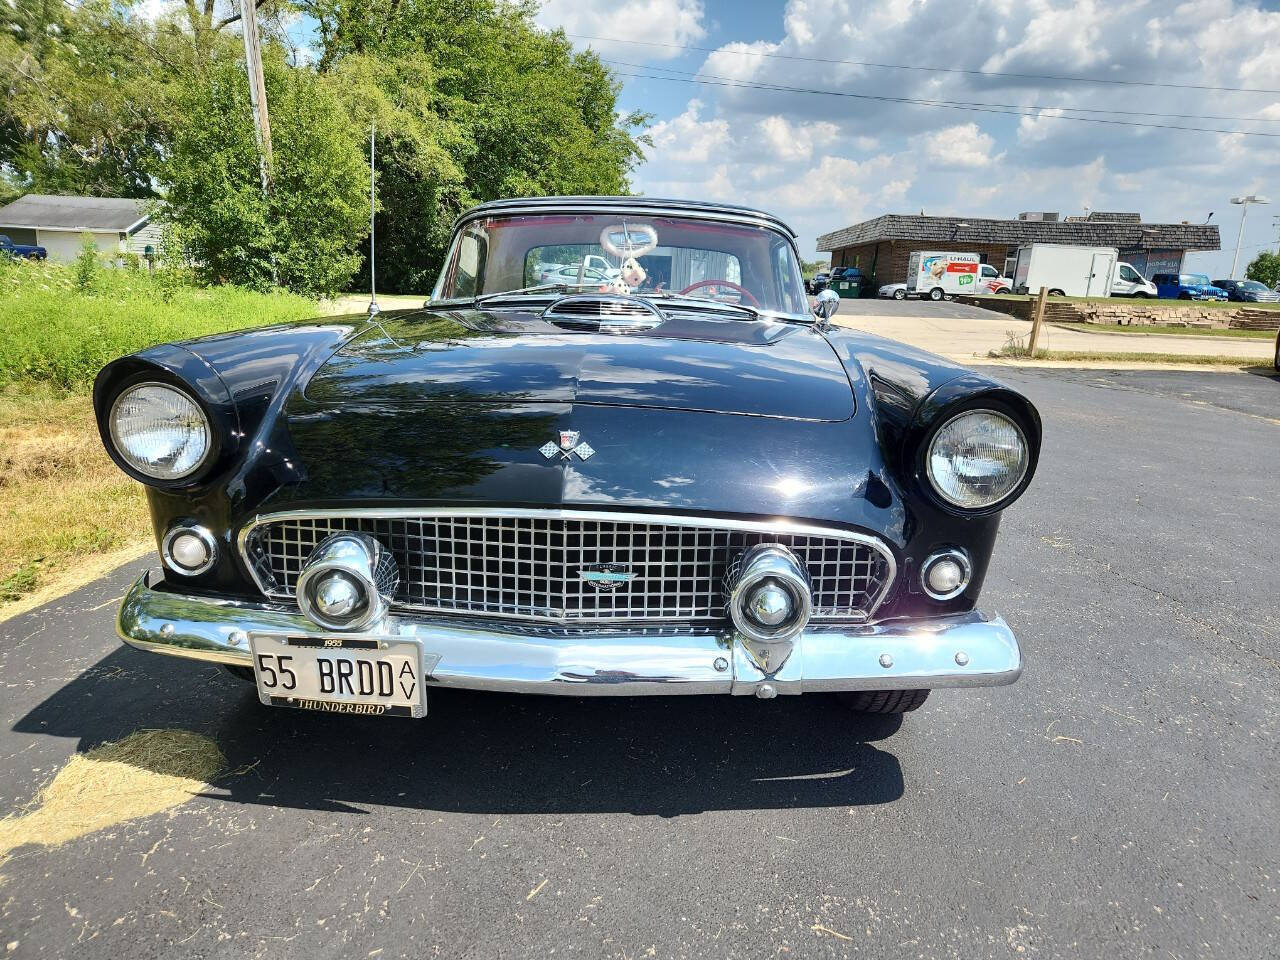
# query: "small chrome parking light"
x,y
945,574
189,550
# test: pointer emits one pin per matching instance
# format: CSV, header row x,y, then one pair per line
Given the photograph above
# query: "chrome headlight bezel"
x,y
136,468
1009,493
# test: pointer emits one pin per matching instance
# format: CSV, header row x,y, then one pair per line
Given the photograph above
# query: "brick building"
x,y
880,247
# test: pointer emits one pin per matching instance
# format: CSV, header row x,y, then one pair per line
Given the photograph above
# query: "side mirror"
x,y
826,304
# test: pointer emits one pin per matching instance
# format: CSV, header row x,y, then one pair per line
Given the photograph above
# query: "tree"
x,y
516,111
1265,268
303,232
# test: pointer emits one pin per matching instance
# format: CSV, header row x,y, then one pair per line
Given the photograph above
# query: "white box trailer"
x,y
938,273
1066,269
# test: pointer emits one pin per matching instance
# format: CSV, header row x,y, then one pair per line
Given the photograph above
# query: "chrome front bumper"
x,y
965,650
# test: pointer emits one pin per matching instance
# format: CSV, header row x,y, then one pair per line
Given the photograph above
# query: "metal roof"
x,y
1126,234
646,206
47,212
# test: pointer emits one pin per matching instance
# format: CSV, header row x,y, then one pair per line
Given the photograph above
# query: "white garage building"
x,y
59,224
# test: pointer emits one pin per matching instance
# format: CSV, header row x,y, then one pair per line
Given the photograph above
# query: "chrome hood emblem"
x,y
570,444
606,576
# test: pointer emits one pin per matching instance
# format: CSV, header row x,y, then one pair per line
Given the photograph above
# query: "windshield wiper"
x,y
559,286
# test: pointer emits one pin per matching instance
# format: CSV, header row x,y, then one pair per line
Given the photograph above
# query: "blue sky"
x,y
824,162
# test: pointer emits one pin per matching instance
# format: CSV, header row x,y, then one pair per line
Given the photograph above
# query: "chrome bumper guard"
x,y
954,651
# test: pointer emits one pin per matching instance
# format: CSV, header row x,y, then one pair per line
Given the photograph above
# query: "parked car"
x,y
27,251
818,283
569,274
673,494
1186,286
1247,291
898,291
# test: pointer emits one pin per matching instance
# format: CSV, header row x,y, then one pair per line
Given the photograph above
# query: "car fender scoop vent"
x,y
605,313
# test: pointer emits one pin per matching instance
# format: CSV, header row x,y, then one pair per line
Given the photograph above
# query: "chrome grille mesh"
x,y
529,565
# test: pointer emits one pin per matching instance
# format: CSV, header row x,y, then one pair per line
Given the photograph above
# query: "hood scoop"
x,y
604,313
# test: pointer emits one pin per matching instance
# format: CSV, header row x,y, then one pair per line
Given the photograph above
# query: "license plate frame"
x,y
404,655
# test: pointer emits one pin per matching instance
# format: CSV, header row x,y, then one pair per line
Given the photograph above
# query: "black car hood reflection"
x,y
706,363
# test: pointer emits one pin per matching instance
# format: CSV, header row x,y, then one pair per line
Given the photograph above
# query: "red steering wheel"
x,y
722,283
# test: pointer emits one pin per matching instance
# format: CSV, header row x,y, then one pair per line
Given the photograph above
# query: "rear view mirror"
x,y
826,304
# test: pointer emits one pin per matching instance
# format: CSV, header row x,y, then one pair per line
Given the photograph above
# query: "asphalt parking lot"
x,y
1121,800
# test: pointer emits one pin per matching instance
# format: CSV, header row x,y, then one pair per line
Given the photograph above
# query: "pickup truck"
x,y
25,250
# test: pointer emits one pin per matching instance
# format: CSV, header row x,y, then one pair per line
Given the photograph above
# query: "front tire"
x,y
935,294
899,294
884,701
1057,293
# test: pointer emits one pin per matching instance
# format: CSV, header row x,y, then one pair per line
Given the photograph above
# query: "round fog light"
x,y
769,604
946,574
189,550
347,582
767,594
337,596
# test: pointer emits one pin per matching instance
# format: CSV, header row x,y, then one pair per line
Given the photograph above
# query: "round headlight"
x,y
159,431
977,458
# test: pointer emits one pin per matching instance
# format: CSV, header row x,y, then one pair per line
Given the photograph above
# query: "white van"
x,y
1128,282
937,274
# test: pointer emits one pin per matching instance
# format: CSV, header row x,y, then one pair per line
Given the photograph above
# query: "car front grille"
x,y
529,563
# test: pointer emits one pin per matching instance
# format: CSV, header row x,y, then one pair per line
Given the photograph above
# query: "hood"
x,y
690,362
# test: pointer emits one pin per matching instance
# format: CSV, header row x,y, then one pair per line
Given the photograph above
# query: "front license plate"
x,y
358,675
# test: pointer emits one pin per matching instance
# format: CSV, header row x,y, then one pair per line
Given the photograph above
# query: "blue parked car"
x,y
27,250
1186,286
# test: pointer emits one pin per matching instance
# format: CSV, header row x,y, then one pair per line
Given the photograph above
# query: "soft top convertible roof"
x,y
641,206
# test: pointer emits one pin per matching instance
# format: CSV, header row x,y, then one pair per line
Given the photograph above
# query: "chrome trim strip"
x,y
786,527
957,651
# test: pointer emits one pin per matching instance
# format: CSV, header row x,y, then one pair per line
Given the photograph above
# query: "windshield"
x,y
1196,279
1252,285
734,264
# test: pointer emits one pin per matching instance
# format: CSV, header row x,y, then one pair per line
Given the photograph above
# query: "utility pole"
x,y
1243,203
374,310
257,87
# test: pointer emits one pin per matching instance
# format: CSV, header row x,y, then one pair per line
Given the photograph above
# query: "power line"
x,y
1006,110
1002,106
1057,78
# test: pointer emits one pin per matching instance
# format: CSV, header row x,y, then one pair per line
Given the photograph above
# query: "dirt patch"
x,y
147,772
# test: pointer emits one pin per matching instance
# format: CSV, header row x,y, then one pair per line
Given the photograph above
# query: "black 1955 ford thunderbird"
x,y
617,453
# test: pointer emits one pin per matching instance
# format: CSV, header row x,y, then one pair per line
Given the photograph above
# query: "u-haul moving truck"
x,y
938,274
1066,269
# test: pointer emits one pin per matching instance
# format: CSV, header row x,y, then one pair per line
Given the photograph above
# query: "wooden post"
x,y
1037,321
257,86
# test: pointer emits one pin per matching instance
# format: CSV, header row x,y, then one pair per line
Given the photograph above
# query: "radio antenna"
x,y
374,309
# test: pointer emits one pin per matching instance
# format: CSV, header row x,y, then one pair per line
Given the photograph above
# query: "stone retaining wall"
x,y
1126,312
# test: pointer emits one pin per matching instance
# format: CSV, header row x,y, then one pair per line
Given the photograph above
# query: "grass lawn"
x,y
1020,352
1157,329
66,511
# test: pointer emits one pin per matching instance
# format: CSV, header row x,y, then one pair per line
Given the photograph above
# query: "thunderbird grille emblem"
x,y
606,576
570,444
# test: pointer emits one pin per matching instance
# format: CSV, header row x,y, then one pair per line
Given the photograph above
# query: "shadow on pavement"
x,y
494,753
